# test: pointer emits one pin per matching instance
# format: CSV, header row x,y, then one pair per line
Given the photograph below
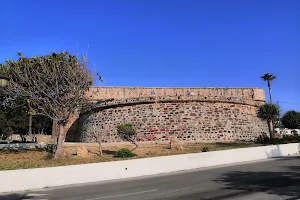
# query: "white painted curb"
x,y
27,179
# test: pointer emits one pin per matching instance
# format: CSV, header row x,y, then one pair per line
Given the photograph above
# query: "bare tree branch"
x,y
56,83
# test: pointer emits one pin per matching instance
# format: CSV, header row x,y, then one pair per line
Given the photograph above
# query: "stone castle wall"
x,y
190,114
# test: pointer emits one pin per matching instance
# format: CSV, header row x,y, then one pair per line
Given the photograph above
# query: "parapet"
x,y
104,93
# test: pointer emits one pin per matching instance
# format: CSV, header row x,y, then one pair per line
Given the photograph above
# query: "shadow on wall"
x,y
283,183
72,133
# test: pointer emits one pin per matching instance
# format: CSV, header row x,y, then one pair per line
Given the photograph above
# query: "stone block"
x,y
81,151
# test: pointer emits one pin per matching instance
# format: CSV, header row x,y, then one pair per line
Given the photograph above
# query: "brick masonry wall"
x,y
193,120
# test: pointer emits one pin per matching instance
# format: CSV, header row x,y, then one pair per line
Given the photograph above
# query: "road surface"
x,y
272,179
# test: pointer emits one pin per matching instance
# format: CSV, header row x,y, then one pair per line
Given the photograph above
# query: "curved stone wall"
x,y
189,118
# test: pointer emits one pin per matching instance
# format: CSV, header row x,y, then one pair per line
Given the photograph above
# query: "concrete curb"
x,y
27,179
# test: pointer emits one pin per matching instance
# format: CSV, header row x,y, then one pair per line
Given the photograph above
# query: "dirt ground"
x,y
37,159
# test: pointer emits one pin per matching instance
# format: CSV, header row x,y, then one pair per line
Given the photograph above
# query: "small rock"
x,y
81,151
175,144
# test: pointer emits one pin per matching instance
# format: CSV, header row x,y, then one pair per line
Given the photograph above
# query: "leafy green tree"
x,y
41,124
21,100
13,118
291,120
127,132
269,77
56,83
268,112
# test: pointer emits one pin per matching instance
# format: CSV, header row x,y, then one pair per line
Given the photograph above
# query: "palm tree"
x,y
269,77
268,112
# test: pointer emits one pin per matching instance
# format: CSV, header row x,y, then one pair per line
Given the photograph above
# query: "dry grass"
x,y
37,159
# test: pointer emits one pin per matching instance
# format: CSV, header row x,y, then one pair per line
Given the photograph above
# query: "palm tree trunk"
x,y
270,126
270,93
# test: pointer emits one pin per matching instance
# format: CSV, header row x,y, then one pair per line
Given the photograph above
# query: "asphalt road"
x,y
272,179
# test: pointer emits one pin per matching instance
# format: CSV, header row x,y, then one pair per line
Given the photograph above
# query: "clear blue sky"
x,y
213,43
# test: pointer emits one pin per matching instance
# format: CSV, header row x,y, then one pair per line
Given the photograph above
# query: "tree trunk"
x,y
34,137
53,134
270,126
270,95
133,141
100,149
270,92
30,126
137,146
59,148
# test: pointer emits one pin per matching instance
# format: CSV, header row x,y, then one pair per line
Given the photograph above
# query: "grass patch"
x,y
11,160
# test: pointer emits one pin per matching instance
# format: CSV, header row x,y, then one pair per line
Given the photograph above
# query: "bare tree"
x,y
56,84
95,135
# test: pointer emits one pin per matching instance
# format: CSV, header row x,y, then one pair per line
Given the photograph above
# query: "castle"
x,y
189,114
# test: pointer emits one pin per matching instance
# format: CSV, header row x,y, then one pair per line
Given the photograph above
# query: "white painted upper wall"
x,y
286,131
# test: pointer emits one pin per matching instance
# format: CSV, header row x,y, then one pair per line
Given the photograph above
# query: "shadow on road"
x,y
282,183
290,158
13,197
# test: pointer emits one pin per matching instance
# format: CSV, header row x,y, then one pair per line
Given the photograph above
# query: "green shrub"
x,y
284,140
291,138
205,149
124,153
295,133
127,132
49,156
263,139
51,147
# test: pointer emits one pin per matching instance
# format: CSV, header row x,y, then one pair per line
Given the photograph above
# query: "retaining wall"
x,y
27,179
